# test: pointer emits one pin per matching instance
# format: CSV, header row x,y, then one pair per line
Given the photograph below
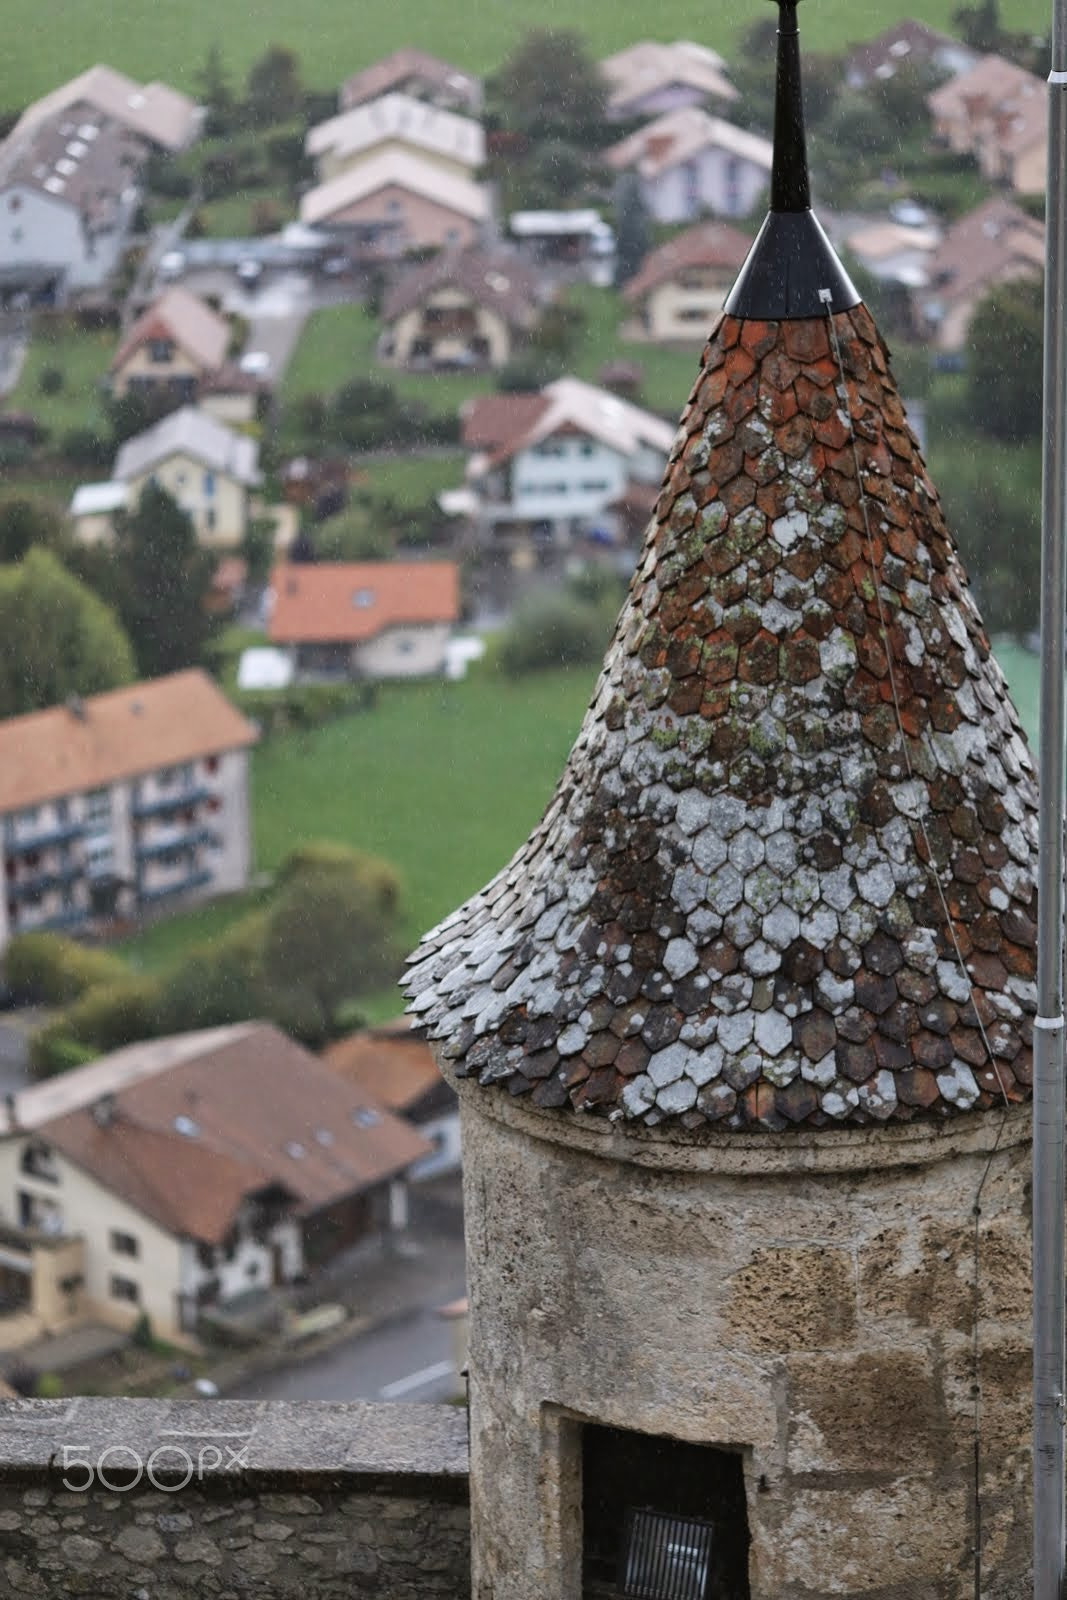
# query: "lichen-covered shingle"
x,y
743,904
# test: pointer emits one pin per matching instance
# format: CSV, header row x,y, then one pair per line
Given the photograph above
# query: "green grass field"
x,y
413,480
83,359
443,780
46,45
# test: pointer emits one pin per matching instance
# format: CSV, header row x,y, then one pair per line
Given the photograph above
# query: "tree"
x,y
550,88
28,523
979,25
214,90
274,88
160,579
357,534
992,499
59,638
1004,365
632,236
328,936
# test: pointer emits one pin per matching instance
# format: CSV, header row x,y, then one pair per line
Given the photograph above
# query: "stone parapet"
x,y
171,1500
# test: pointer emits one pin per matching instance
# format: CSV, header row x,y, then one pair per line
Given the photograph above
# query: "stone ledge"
x,y
398,1449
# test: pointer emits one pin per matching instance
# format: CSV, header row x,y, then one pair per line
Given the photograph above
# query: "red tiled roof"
x,y
349,602
491,420
710,244
390,1063
161,723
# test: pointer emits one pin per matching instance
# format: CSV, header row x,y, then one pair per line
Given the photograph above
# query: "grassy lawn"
x,y
83,358
49,43
234,215
443,780
413,480
340,343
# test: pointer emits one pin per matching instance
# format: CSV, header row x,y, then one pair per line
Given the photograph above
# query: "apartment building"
x,y
121,803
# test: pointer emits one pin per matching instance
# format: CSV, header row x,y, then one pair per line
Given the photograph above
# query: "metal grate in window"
x,y
665,1557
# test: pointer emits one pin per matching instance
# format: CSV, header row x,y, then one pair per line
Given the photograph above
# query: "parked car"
x,y
249,271
256,363
171,265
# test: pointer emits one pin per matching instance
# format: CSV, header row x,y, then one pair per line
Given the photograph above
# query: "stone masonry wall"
x,y
808,1305
282,1502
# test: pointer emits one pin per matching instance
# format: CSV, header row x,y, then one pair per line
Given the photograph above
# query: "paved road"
x,y
410,1358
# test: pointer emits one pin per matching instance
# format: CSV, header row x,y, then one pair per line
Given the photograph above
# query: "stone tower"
x,y
742,1033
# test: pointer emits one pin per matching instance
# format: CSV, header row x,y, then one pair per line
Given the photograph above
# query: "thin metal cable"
x,y
933,873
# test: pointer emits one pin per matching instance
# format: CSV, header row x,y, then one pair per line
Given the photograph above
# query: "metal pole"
x,y
1050,1108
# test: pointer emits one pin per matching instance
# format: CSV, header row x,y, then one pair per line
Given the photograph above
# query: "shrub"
x,y
52,1051
116,1013
217,983
323,856
46,969
306,705
551,630
52,380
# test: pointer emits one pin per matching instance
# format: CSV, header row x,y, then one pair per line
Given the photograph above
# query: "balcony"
x,y
186,885
174,843
29,885
173,800
24,844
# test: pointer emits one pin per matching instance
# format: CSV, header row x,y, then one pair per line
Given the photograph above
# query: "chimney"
x,y
105,1111
76,707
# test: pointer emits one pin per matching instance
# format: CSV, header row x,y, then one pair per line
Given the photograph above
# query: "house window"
x,y
363,599
209,484
124,1289
209,519
98,808
160,351
211,765
124,1244
38,1162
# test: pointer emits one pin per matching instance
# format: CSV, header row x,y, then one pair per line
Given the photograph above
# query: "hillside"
x,y
49,44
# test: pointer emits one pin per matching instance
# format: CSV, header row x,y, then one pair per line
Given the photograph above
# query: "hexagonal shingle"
x,y
725,908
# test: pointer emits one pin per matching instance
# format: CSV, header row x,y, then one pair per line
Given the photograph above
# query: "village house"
x,y
365,619
396,1068
996,112
395,201
182,1173
418,74
171,349
566,244
396,122
691,164
908,44
466,309
649,78
996,243
70,178
123,802
679,288
550,465
893,253
207,468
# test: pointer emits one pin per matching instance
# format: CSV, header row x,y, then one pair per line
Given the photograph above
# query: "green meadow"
x,y
46,44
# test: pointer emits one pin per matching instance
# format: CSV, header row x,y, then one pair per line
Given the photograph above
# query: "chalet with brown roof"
x,y
418,74
466,311
198,1167
996,243
996,112
70,178
123,802
397,200
171,349
397,1069
682,285
691,164
908,44
366,619
649,78
555,463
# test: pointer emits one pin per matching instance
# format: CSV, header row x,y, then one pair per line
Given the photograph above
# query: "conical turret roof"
x,y
788,875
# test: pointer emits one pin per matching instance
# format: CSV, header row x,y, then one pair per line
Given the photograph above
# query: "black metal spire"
x,y
792,266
